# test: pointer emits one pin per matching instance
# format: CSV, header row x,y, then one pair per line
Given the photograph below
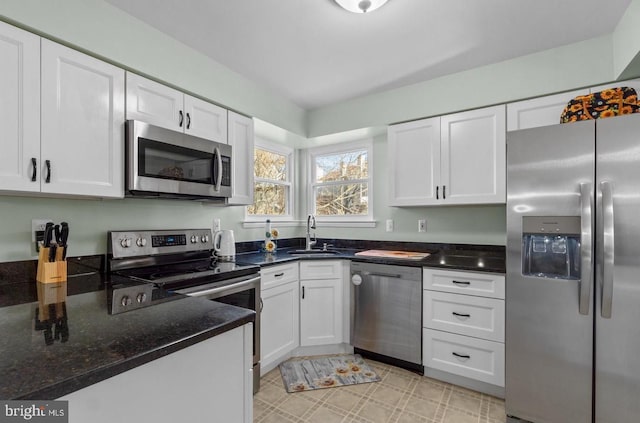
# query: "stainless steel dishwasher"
x,y
386,313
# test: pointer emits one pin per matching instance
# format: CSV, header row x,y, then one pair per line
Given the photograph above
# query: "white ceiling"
x,y
316,54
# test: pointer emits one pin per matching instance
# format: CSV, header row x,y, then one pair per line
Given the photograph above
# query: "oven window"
x,y
166,161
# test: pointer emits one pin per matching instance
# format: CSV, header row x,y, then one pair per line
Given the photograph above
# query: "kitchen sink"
x,y
314,252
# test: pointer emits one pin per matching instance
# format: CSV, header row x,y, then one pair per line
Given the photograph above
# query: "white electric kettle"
x,y
224,245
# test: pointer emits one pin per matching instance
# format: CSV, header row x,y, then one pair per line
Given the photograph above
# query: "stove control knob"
x,y
125,242
141,242
205,238
125,301
141,298
194,239
356,279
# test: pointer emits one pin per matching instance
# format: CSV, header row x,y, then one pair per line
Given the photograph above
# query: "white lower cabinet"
x,y
473,358
463,328
280,318
321,296
190,385
464,314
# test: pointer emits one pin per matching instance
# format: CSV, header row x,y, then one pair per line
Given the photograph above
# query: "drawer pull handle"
x,y
279,275
463,356
465,283
463,315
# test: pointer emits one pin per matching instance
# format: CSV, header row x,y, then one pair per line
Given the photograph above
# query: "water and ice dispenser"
x,y
551,247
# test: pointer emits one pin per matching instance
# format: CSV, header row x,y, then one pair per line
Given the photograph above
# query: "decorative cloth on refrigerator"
x,y
603,104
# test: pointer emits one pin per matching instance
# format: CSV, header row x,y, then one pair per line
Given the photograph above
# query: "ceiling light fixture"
x,y
360,6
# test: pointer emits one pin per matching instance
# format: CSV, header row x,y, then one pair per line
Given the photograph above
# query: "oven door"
x,y
241,292
161,161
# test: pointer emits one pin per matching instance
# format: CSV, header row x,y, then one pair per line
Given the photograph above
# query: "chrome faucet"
x,y
311,224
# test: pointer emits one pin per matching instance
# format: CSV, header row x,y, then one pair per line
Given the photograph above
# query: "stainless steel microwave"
x,y
169,164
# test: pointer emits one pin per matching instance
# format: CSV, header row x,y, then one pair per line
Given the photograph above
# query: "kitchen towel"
x,y
309,373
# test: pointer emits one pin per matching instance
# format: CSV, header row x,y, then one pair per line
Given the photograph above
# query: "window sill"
x,y
247,224
346,223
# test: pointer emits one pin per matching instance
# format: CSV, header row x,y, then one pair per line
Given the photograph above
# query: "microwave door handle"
x,y
218,177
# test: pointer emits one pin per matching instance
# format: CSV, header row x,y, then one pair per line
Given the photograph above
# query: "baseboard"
x,y
465,382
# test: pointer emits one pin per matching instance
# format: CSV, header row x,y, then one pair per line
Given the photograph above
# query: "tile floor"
x,y
401,397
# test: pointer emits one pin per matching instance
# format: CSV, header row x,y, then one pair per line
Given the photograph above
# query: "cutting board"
x,y
410,255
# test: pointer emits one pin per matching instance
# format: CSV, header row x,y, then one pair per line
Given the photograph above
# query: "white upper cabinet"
x,y
151,102
20,106
473,157
241,140
453,159
82,132
541,111
154,103
414,153
205,120
631,83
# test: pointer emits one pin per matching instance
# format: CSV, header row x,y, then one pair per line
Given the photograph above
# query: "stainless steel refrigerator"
x,y
573,272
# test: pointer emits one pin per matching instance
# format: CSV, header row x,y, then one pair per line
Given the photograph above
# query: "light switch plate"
x,y
216,225
389,225
37,231
422,225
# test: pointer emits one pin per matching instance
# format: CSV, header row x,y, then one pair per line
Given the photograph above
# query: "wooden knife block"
x,y
51,278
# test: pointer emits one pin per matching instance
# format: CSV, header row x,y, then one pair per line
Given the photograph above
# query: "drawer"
x,y
277,275
473,358
320,269
470,283
480,317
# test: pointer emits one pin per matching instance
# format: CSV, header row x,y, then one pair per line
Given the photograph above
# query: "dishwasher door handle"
x,y
382,275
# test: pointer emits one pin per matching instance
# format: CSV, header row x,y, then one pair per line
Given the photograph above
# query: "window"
x,y
272,165
341,178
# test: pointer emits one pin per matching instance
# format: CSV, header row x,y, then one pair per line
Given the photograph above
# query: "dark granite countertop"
x,y
99,345
480,258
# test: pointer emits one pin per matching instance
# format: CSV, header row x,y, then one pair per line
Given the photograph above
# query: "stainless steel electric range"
x,y
148,266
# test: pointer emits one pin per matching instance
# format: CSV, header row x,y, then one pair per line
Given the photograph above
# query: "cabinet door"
x,y
541,111
414,157
82,123
474,157
154,103
321,312
20,106
279,324
205,120
241,141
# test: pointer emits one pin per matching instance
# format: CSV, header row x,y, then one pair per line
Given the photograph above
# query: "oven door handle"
x,y
219,289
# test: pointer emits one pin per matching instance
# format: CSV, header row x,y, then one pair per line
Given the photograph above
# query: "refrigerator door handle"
x,y
586,239
608,253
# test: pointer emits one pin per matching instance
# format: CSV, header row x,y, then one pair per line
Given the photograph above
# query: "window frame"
x,y
288,152
334,149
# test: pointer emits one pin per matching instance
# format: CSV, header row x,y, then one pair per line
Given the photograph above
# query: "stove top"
x,y
144,262
191,273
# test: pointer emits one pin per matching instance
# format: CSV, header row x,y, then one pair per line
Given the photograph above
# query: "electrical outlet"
x,y
216,225
422,225
37,231
389,225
